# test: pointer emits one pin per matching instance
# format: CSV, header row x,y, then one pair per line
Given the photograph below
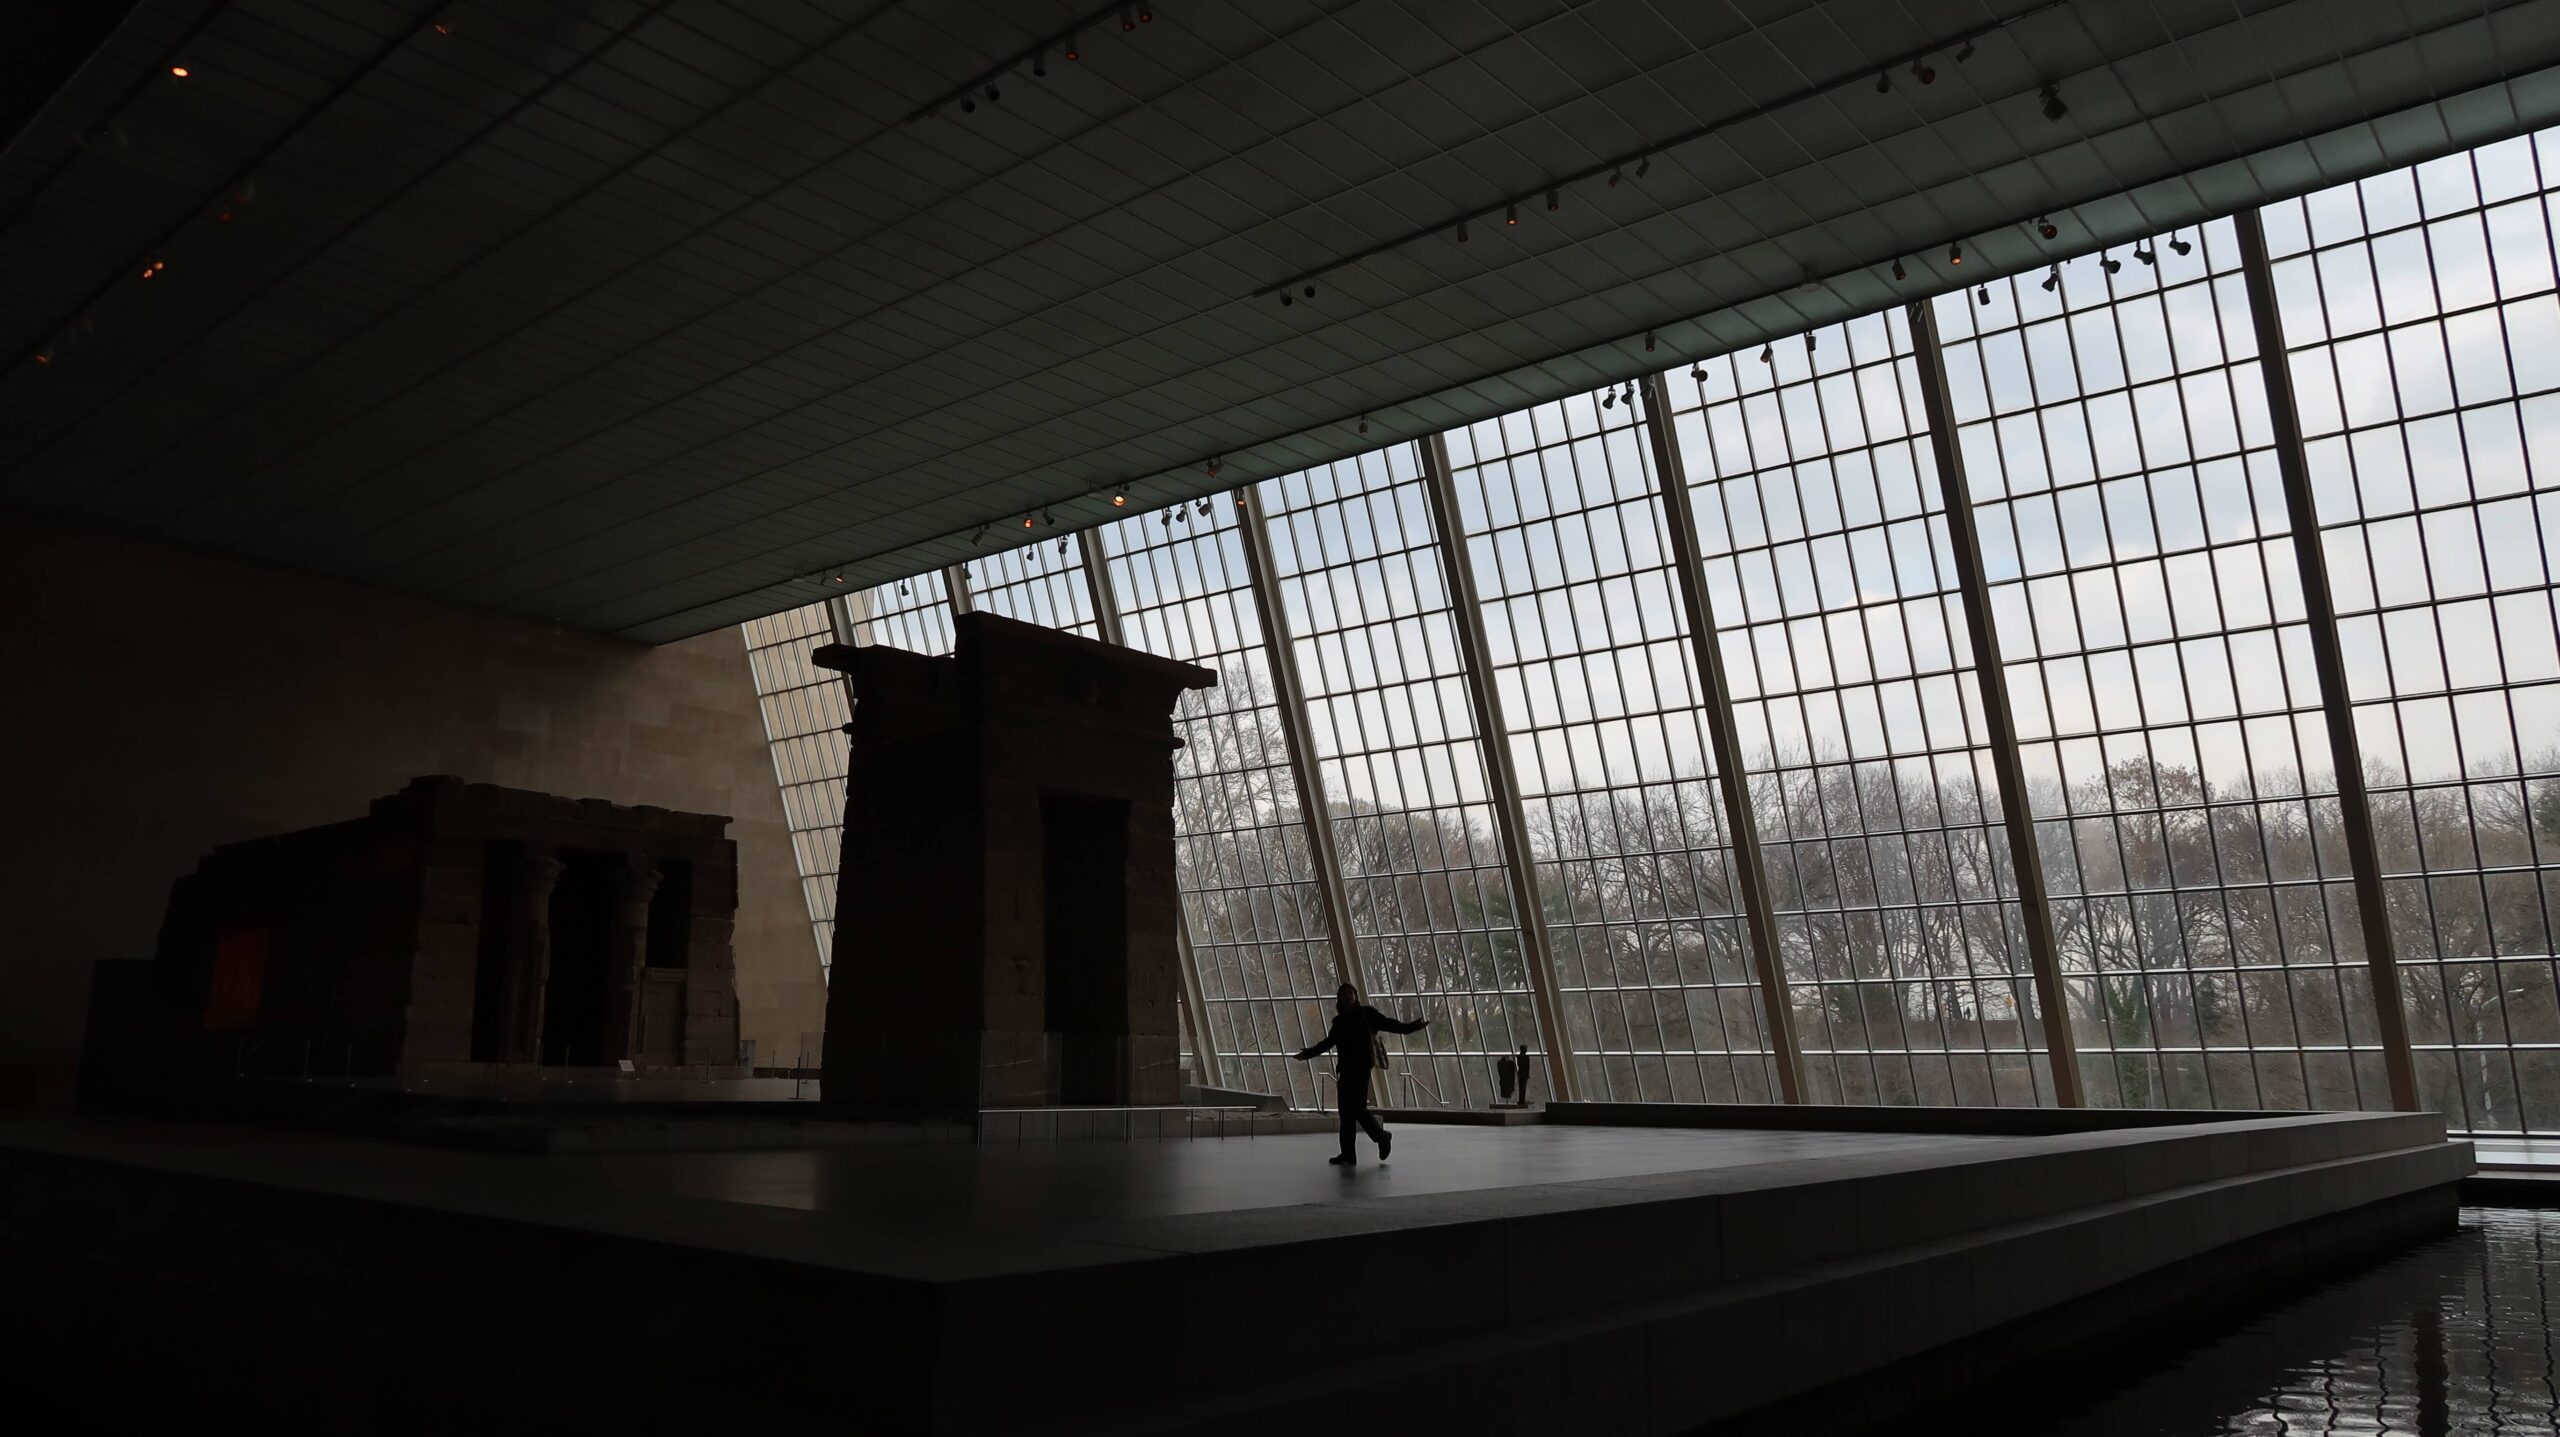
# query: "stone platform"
x,y
1566,1276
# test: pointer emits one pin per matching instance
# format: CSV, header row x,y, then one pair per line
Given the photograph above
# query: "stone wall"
x,y
163,702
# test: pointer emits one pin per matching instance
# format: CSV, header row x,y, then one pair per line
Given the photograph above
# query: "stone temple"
x,y
1006,916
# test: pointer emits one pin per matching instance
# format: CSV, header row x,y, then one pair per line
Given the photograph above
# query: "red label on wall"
x,y
239,969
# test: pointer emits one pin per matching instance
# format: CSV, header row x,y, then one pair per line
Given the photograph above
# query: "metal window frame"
x,y
1094,549
1715,708
1528,911
1289,702
2026,860
2346,752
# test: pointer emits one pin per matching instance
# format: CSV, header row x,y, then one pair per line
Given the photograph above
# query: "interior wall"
x,y
158,703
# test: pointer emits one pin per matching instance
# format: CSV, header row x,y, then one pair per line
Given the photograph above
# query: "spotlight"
x,y
2180,245
2109,263
1616,175
2052,279
1897,269
1048,518
1964,52
1026,521
1309,291
1146,15
1698,372
1608,398
1239,498
1644,166
1648,341
994,94
1214,465
903,590
1062,544
1552,205
1126,23
1203,507
1768,354
1073,51
2054,109
980,536
968,106
835,578
1286,300
1181,515
1120,498
2146,255
177,72
1982,295
45,355
2046,227
1462,231
1166,519
1923,72
1040,66
1511,215
1812,338
1955,254
443,28
1364,423
1884,81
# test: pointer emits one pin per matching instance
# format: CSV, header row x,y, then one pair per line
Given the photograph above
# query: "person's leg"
x,y
1351,1090
1369,1121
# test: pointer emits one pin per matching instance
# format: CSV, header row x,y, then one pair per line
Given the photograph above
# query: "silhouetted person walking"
x,y
1524,1075
1354,1041
1508,1072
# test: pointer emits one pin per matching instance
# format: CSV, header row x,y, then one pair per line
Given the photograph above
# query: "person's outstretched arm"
x,y
1303,1054
1391,1025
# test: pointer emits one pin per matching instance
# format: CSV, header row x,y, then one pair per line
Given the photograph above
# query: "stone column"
x,y
529,965
629,954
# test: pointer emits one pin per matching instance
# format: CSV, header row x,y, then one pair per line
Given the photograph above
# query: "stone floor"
x,y
1059,1186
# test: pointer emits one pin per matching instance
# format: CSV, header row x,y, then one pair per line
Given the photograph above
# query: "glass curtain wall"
x,y
2424,341
805,713
2150,618
1043,583
1590,662
2148,607
1822,530
1364,588
1248,881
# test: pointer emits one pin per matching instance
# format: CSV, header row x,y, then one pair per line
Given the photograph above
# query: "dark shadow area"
x,y
573,1011
1084,845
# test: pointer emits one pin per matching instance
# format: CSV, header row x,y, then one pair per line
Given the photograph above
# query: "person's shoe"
x,y
1343,1162
1386,1145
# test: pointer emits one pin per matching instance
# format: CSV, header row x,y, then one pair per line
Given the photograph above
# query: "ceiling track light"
x,y
1203,506
993,94
1062,544
178,72
2180,245
979,537
1511,214
1648,341
1553,204
1215,464
2054,109
1616,175
1898,272
1924,72
1364,423
1884,81
1608,398
1644,166
1126,22
903,590
2146,254
1040,65
1955,254
1812,338
1027,521
2052,279
1698,372
968,105
1146,15
1048,518
2047,228
1964,52
2109,262
1308,291
1073,50
1982,295
1120,498
1462,231
1768,354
